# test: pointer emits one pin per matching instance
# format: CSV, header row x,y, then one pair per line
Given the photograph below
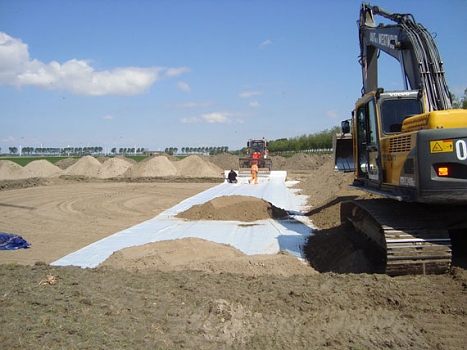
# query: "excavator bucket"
x,y
343,152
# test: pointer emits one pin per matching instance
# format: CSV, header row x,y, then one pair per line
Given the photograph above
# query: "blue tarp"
x,y
9,241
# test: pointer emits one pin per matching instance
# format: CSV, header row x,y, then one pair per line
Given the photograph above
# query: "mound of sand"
x,y
161,166
202,255
153,167
234,208
129,160
43,168
11,171
66,163
225,161
195,166
102,159
113,167
87,166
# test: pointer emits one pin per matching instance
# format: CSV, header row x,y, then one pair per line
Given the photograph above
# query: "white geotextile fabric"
x,y
260,237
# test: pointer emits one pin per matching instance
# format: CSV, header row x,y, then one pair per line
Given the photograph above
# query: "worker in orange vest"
x,y
254,173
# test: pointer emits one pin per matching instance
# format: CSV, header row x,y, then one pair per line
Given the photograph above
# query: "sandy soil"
x,y
61,218
196,294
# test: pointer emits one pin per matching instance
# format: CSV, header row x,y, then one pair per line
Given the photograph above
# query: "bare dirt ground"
x,y
196,294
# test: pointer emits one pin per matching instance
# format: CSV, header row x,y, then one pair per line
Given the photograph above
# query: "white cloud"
x,y
183,86
190,120
216,117
221,118
194,104
333,114
76,76
175,72
8,139
108,117
247,94
265,43
254,104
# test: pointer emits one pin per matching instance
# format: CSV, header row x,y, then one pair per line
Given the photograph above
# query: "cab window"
x,y
394,112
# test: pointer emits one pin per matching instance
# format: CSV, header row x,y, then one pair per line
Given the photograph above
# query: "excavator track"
x,y
413,236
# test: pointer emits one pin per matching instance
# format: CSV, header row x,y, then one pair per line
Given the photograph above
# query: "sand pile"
x,y
199,254
195,166
87,166
234,208
225,161
11,171
66,163
129,160
43,168
113,167
160,166
153,167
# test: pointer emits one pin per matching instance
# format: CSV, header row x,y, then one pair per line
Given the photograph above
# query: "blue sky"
x,y
182,73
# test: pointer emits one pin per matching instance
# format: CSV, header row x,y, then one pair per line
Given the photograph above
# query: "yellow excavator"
x,y
409,147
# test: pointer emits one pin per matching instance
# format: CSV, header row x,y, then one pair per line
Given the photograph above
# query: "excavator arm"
x,y
412,45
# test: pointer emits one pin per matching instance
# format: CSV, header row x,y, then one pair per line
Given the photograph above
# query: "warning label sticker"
x,y
441,146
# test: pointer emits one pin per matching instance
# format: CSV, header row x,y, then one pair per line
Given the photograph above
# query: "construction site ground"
x,y
193,293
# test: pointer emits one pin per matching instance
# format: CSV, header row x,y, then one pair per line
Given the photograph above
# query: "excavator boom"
x,y
412,45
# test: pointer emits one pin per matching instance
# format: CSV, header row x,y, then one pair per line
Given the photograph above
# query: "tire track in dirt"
x,y
80,214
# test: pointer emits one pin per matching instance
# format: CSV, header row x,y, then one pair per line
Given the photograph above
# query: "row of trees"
x,y
71,151
319,141
198,150
460,102
128,150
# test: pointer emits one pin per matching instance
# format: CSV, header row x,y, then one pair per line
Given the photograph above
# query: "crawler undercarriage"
x,y
414,238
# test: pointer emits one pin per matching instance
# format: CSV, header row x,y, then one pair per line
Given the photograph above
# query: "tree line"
x,y
460,103
318,141
72,151
198,150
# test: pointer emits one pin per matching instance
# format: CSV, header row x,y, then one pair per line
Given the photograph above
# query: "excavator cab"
x,y
380,150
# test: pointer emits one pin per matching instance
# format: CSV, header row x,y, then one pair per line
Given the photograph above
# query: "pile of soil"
x,y
87,166
201,255
113,167
11,171
234,208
